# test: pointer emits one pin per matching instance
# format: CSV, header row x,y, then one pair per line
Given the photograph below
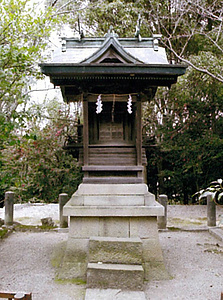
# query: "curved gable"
x,y
112,51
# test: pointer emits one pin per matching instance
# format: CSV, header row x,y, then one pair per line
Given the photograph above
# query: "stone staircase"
x,y
115,263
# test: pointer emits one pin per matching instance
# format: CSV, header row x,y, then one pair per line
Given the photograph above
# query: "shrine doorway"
x,y
113,125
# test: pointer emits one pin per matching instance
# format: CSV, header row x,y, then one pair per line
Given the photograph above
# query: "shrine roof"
x,y
131,50
111,65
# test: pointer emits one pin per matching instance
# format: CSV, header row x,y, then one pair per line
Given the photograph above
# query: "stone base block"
x,y
74,264
125,277
113,211
143,227
117,226
155,270
112,200
115,250
151,249
112,195
113,214
73,270
112,189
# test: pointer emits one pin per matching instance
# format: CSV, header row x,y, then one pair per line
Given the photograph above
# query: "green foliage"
x,y
215,190
97,16
119,14
24,37
36,167
186,124
3,232
24,31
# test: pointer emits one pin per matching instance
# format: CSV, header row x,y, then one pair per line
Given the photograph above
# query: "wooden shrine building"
x,y
113,216
112,76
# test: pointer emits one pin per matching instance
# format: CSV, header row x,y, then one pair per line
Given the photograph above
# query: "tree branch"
x,y
205,71
39,90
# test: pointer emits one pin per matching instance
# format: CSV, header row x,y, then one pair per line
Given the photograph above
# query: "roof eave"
x,y
53,69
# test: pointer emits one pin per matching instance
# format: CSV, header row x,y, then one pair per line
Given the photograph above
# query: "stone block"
x,y
155,271
112,189
73,270
76,200
84,227
74,263
114,200
47,222
114,227
115,250
149,199
152,250
143,227
76,250
162,220
125,277
113,211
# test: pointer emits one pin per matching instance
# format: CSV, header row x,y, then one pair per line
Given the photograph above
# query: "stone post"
x,y
162,221
63,198
211,211
9,204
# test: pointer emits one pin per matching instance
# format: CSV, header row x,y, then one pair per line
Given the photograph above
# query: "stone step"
x,y
118,276
112,189
113,180
115,250
110,200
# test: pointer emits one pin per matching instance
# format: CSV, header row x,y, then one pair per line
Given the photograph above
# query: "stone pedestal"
x,y
113,212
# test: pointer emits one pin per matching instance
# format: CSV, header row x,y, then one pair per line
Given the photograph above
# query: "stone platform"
x,y
120,219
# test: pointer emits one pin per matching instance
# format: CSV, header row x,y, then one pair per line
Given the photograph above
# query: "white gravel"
x,y
25,260
31,214
193,259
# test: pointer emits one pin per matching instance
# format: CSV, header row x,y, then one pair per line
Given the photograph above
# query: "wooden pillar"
x,y
139,130
85,129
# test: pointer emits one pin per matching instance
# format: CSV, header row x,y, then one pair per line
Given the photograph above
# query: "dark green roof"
x,y
111,65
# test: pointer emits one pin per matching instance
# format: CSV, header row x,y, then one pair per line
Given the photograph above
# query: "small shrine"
x,y
113,237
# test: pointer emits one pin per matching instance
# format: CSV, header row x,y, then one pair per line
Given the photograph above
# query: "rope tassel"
x,y
129,104
99,105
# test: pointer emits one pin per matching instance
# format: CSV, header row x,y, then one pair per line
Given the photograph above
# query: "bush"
x,y
36,167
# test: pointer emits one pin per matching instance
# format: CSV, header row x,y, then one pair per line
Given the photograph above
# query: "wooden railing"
x,y
21,296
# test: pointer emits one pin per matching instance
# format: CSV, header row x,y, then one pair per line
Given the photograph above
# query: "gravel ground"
x,y
195,262
193,259
25,260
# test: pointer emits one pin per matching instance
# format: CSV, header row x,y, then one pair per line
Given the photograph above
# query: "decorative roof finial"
x,y
138,25
156,38
111,32
81,32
